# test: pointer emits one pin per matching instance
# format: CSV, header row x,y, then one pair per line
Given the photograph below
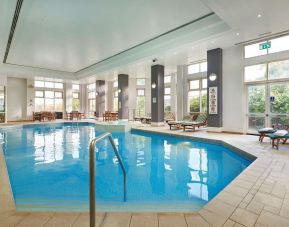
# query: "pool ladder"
x,y
92,174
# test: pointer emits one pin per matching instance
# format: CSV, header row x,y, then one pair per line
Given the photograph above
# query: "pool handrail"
x,y
92,173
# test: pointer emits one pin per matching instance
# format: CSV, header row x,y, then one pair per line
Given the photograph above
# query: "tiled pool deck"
x,y
259,196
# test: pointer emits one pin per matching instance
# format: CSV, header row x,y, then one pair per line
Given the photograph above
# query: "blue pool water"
x,y
48,169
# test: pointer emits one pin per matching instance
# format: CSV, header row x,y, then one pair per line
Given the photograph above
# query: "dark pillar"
x,y
215,104
100,98
157,94
123,96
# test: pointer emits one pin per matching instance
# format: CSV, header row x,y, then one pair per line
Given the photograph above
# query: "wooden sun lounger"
x,y
200,121
175,124
277,139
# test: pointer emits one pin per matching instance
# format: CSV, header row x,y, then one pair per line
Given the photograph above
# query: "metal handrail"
x,y
92,173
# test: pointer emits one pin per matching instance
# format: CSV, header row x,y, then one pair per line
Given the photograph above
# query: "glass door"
x,y
279,103
256,108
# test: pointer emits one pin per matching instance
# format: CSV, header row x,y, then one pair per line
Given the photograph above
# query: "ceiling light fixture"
x,y
237,34
259,15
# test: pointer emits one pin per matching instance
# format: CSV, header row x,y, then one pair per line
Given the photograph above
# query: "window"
x,y
140,103
58,85
275,45
75,101
278,70
115,100
48,84
48,97
115,84
253,50
38,83
91,86
48,101
167,79
197,96
194,84
75,87
91,95
255,72
197,68
167,99
140,82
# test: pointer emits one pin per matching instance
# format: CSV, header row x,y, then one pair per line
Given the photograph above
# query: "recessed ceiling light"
x,y
259,15
237,33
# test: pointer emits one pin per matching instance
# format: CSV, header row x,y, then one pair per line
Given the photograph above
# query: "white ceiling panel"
x,y
69,35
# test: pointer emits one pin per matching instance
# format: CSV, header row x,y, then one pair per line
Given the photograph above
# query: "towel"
x,y
280,132
266,129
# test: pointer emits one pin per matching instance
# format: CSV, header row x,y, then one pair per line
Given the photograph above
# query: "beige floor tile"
x,y
255,207
35,220
144,220
236,190
244,217
229,198
83,220
172,220
229,223
212,218
221,208
116,220
238,225
272,220
12,219
62,220
195,220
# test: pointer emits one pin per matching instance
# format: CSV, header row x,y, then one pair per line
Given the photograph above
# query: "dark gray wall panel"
x,y
123,96
100,98
215,63
157,94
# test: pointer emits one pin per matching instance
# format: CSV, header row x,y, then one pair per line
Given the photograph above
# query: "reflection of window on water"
x,y
198,163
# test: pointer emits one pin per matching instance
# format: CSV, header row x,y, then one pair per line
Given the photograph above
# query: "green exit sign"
x,y
266,45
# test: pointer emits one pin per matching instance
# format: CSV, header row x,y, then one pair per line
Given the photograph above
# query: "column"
x,y
180,93
214,76
123,96
157,94
100,98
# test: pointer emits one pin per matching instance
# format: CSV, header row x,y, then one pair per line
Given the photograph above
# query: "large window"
x,y
197,68
91,99
197,96
267,47
140,102
75,97
48,96
48,101
115,100
167,100
267,87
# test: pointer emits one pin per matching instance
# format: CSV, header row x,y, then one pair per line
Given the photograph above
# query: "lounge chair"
x,y
266,131
201,120
277,138
169,116
178,124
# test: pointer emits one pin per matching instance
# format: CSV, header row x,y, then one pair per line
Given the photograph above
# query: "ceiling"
x,y
98,39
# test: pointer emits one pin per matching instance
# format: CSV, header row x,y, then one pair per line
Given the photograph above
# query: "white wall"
x,y
233,90
16,99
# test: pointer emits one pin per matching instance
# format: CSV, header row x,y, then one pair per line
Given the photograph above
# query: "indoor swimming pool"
x,y
48,169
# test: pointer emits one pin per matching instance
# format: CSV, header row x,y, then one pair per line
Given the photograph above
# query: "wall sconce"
x,y
154,85
213,77
119,90
96,93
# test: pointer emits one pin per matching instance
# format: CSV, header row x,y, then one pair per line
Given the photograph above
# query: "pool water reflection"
x,y
48,169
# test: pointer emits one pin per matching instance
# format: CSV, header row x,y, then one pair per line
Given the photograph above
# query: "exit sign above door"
x,y
266,45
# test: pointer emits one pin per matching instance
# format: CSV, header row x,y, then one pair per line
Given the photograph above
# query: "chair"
x,y
169,116
36,116
277,138
265,131
178,124
201,120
